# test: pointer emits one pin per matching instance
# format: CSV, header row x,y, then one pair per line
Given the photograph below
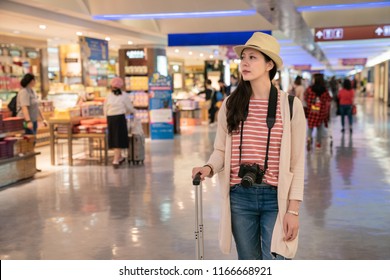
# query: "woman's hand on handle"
x,y
204,172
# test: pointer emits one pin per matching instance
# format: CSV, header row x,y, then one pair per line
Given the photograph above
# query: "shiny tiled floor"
x,y
90,211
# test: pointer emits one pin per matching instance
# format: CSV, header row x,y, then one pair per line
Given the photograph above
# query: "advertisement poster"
x,y
94,49
160,105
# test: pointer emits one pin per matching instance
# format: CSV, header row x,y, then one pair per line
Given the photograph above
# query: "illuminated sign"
x,y
213,38
353,61
138,54
302,67
352,33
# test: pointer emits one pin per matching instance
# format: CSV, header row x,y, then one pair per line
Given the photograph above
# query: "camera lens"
x,y
248,180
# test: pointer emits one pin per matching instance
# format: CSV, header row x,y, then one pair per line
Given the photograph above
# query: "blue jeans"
x,y
346,110
254,211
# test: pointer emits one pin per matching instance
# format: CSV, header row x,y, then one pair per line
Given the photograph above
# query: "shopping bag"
x,y
354,110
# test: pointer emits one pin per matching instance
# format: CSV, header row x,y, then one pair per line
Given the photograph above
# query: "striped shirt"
x,y
254,142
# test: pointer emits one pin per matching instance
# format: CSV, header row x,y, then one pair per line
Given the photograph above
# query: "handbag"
x,y
354,110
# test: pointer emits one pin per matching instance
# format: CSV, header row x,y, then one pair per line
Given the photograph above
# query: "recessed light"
x,y
211,56
190,53
201,54
107,38
42,26
129,42
176,50
78,33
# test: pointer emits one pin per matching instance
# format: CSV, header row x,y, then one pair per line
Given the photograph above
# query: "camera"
x,y
250,174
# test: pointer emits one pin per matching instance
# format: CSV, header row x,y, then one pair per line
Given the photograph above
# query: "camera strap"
x,y
271,118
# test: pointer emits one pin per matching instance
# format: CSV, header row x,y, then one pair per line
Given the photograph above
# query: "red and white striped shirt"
x,y
254,142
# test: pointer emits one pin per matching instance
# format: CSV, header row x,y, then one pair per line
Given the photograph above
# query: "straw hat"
x,y
117,82
264,43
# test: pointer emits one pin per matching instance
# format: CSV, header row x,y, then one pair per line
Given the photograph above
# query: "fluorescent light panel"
x,y
233,13
322,8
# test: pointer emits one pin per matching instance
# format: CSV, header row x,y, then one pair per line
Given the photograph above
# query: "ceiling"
x,y
294,30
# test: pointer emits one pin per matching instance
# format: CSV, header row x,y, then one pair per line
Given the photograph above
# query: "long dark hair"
x,y
238,101
319,84
347,84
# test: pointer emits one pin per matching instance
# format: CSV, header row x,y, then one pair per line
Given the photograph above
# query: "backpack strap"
x,y
291,104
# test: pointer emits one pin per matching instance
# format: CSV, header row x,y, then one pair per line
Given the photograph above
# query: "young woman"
x,y
346,96
28,104
116,106
318,101
263,217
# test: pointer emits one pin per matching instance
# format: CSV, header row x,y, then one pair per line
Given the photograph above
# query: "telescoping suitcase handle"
x,y
199,243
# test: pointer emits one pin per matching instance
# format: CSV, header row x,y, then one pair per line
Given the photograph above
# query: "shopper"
x,y
233,85
116,106
318,101
346,96
211,100
263,217
28,105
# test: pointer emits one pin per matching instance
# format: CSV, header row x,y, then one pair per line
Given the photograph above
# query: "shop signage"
x,y
71,60
94,49
32,54
352,33
160,104
302,67
136,54
230,53
15,52
353,61
214,38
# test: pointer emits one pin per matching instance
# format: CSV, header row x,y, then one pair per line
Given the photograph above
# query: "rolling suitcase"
x,y
199,241
137,149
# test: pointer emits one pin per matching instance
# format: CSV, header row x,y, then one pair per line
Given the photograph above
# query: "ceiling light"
x,y
322,8
211,56
78,33
176,50
232,13
42,26
190,53
201,54
107,38
129,42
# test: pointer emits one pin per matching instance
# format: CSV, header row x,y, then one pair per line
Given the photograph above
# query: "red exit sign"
x,y
352,33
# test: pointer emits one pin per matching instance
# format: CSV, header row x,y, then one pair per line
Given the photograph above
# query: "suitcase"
x,y
136,150
199,241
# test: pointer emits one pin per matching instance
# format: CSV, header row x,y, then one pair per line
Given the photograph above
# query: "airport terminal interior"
x,y
61,196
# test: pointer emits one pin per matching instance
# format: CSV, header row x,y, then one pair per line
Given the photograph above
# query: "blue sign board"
x,y
94,49
160,105
214,38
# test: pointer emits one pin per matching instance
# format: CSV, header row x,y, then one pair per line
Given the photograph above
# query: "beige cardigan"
x,y
291,173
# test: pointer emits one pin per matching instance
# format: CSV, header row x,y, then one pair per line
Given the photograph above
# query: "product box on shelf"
x,y
67,114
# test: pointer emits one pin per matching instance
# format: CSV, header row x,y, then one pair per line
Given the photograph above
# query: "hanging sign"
x,y
93,49
326,34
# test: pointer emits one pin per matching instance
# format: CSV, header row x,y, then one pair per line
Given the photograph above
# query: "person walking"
x,y
318,101
116,106
346,96
261,188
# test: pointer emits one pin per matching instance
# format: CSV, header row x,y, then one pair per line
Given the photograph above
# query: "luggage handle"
x,y
199,240
196,180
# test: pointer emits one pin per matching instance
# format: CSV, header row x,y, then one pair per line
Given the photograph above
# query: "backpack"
x,y
12,106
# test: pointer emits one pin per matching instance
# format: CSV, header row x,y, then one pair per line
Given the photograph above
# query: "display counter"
x,y
17,168
69,135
